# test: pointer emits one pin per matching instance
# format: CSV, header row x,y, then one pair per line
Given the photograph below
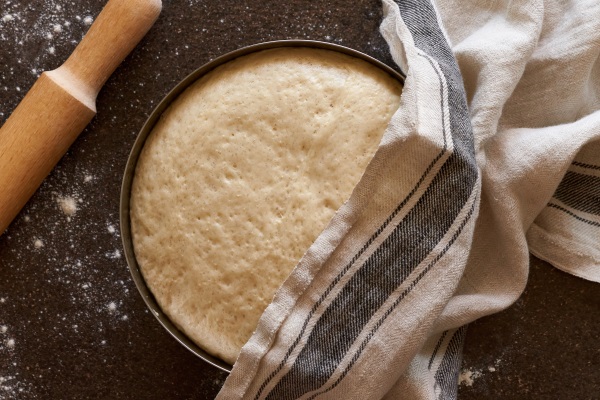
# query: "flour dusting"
x,y
114,255
82,259
468,376
50,29
68,205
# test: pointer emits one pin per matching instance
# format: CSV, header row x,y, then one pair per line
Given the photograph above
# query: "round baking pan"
x,y
139,144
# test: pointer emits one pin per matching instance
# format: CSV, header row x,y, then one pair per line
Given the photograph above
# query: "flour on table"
x,y
48,28
68,205
114,255
468,376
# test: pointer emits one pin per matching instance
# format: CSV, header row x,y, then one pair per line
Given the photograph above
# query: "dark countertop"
x,y
72,324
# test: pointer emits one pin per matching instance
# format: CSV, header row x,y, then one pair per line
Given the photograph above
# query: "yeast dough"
x,y
242,173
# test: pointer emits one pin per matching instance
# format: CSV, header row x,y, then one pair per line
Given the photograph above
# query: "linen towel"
x,y
494,152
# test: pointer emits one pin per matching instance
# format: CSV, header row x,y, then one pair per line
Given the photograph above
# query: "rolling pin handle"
x,y
62,102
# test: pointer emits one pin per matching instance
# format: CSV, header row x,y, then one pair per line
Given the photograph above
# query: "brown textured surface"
x,y
79,327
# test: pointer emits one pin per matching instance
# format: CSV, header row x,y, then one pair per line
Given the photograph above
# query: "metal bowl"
x,y
139,144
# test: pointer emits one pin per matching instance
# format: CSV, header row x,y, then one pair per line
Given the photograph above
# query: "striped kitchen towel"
x,y
493,153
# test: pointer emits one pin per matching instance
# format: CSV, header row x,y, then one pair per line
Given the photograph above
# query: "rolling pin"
x,y
63,101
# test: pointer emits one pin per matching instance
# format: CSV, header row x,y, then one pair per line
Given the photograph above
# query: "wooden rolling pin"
x,y
63,101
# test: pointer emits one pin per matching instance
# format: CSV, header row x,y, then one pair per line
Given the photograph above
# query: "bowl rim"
x,y
128,175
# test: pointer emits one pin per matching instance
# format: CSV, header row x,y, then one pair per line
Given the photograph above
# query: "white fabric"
x,y
471,175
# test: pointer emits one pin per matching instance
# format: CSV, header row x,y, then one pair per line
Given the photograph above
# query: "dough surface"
x,y
242,173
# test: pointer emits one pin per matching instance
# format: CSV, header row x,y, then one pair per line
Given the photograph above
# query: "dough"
x,y
242,173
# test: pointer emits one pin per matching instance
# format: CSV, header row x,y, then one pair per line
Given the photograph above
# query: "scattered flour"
x,y
48,26
114,255
90,284
13,387
468,376
68,205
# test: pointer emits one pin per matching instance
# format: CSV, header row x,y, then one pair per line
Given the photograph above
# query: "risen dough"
x,y
242,173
